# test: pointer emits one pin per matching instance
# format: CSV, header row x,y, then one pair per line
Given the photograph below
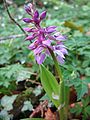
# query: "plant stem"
x,y
56,64
61,108
66,98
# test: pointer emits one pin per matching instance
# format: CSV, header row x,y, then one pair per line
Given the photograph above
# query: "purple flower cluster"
x,y
43,38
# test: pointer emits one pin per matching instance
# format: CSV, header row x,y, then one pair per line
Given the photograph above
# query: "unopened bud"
x,y
43,15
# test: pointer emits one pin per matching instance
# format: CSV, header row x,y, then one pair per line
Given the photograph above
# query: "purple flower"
x,y
44,38
40,58
50,29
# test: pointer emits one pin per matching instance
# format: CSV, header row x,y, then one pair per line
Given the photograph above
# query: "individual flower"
x,y
44,38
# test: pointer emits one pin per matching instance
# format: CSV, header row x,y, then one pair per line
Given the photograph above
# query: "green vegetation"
x,y
19,77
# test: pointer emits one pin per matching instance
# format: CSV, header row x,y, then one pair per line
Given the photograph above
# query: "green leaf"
x,y
77,109
7,102
50,84
27,106
81,90
86,101
37,91
87,110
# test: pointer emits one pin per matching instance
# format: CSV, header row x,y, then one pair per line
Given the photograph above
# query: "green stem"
x,y
61,88
56,64
66,98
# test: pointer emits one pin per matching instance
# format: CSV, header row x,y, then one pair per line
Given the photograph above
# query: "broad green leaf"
x,y
50,84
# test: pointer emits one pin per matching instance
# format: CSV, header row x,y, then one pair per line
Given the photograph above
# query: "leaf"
x,y
37,90
73,26
4,115
87,109
86,101
13,72
23,74
82,88
87,71
77,109
27,106
7,102
49,83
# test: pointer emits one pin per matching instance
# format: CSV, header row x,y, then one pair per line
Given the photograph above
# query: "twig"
x,y
11,37
39,108
13,18
33,82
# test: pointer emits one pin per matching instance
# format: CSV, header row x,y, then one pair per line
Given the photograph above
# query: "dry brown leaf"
x,y
49,115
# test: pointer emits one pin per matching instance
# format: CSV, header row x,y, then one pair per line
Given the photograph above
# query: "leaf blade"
x,y
50,84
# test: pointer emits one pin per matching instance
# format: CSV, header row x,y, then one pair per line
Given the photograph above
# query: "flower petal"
x,y
51,29
38,50
59,53
30,37
47,42
40,58
61,37
64,51
60,59
27,20
29,29
32,46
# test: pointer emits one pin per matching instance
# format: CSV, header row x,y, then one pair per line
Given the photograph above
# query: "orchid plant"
x,y
48,42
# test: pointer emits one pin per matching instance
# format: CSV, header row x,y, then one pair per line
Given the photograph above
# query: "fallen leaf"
x,y
49,115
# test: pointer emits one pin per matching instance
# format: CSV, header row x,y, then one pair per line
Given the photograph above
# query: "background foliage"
x,y
17,63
